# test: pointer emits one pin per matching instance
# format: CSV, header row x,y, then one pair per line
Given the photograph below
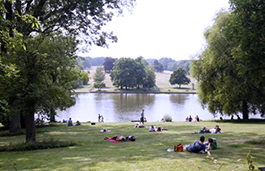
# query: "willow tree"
x,y
83,17
221,85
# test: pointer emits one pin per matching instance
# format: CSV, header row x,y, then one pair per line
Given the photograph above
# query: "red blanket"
x,y
113,141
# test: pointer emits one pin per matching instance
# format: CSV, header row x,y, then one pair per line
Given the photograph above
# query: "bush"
x,y
167,118
99,85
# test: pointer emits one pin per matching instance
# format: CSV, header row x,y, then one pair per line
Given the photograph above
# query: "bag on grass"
x,y
178,148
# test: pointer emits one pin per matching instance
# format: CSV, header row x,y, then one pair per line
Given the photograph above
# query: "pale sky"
x,y
156,29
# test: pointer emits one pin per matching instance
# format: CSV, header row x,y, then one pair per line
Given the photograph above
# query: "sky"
x,y
156,29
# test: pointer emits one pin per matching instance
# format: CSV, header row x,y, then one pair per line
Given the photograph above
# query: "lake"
x,y
124,107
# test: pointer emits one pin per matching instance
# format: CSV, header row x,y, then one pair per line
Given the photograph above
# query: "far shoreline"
x,y
135,92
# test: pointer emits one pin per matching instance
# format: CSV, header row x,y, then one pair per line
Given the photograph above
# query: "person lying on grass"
x,y
122,138
211,144
197,146
104,130
215,130
139,126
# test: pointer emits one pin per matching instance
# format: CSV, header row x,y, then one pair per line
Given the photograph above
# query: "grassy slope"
x,y
148,152
162,82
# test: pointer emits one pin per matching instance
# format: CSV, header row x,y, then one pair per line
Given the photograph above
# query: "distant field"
x,y
162,82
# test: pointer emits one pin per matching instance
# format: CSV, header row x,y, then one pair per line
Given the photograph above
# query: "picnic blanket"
x,y
114,141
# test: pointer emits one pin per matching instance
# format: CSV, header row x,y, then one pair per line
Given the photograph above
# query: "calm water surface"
x,y
126,107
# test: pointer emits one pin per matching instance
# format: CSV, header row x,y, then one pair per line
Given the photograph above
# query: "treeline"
x,y
160,65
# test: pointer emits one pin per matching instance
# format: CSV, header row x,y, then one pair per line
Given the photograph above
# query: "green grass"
x,y
162,82
149,152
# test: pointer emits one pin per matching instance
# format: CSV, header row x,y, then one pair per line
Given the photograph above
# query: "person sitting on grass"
x,y
152,128
211,144
70,122
197,146
78,123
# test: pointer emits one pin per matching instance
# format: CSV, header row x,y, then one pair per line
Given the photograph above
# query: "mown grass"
x,y
149,152
162,82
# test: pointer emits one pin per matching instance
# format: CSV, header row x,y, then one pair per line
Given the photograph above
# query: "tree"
x,y
222,87
85,77
158,66
123,73
73,17
150,78
99,75
179,77
108,64
140,71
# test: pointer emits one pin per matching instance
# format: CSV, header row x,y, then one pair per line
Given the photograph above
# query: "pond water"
x,y
126,107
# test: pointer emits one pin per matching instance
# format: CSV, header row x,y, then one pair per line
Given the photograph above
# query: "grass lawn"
x,y
148,152
162,82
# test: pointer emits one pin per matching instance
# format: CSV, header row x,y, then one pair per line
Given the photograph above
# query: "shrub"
x,y
167,118
99,85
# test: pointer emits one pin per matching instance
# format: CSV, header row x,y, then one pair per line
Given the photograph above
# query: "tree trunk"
x,y
52,115
245,110
30,128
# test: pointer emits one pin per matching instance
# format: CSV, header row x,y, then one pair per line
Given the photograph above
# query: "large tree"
x,y
179,76
219,71
83,17
123,73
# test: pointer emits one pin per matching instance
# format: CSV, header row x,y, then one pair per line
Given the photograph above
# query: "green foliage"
x,y
85,77
108,64
45,144
123,73
167,118
131,73
99,75
158,66
99,85
149,81
223,85
179,77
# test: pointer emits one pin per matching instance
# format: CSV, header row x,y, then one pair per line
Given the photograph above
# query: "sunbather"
x,y
197,146
122,138
214,130
211,144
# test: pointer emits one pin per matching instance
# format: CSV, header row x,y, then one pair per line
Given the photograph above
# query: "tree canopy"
x,y
99,75
131,73
230,72
179,77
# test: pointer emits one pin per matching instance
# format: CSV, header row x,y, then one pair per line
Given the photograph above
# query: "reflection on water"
x,y
126,107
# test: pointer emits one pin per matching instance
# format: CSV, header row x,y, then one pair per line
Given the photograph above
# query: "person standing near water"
x,y
99,117
142,117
